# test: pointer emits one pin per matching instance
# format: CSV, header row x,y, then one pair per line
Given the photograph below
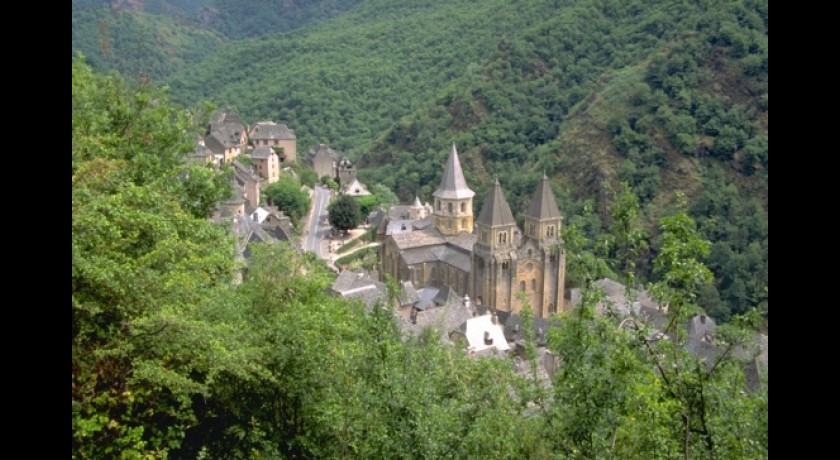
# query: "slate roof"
x,y
428,295
262,153
496,210
375,217
513,331
463,240
444,319
358,284
268,130
408,295
442,253
418,239
452,184
226,117
543,205
242,173
322,150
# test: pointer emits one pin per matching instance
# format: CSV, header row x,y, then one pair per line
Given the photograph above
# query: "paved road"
x,y
318,227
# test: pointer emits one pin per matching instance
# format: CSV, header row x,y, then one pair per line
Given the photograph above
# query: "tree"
x,y
146,263
345,213
287,195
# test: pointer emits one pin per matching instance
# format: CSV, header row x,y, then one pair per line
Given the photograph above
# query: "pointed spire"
x,y
453,185
543,205
496,210
417,202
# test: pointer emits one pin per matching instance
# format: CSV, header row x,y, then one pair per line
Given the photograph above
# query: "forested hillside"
x,y
241,19
663,95
137,44
154,38
173,358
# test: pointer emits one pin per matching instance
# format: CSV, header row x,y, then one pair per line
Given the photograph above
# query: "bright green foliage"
x,y
145,263
345,213
380,196
624,392
287,195
308,177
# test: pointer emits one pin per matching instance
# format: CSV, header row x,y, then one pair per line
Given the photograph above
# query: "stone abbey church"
x,y
488,258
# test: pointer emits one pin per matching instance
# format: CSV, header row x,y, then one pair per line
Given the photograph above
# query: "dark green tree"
x,y
345,213
287,195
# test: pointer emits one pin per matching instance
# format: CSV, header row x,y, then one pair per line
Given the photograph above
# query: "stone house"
x,y
270,134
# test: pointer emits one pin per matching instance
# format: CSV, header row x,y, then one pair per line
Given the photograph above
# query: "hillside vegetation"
x,y
239,19
137,44
664,95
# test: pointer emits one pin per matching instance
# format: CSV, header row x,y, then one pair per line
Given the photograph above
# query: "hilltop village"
x,y
467,278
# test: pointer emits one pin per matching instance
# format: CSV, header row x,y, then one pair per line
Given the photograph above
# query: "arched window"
x,y
522,286
463,207
438,205
549,231
533,285
449,205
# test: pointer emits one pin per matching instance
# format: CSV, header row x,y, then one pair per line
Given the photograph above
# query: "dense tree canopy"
x,y
345,213
288,196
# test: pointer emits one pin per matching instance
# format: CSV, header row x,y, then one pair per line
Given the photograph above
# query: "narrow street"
x,y
317,227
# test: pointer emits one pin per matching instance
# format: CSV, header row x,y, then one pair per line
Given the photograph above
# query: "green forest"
x,y
649,117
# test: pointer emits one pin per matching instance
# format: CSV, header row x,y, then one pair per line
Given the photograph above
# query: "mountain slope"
x,y
346,80
138,44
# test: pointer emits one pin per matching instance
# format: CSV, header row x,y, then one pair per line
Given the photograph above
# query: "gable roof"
x,y
268,130
496,210
262,153
543,205
452,184
355,188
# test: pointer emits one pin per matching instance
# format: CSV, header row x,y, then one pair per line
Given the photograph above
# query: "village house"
x,y
323,160
226,135
266,164
277,136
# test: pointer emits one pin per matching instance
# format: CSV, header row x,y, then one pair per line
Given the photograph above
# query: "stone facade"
x,y
489,259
